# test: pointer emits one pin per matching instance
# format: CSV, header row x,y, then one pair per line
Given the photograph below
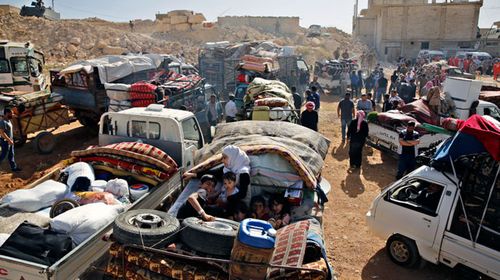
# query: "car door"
x,y
193,140
404,213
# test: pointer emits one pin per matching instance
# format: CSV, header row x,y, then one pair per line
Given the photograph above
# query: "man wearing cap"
x,y
309,118
346,113
408,139
197,201
364,104
230,109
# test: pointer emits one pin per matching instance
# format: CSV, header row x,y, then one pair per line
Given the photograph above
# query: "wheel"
x,y
151,228
213,238
62,206
44,142
91,124
402,251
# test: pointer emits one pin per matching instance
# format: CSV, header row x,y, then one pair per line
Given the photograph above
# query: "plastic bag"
x,y
34,199
118,187
82,222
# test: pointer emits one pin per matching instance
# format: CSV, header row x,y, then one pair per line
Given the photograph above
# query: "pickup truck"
x,y
446,212
174,131
463,92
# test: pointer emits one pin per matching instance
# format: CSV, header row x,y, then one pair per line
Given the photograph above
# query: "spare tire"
x,y
212,238
151,228
62,206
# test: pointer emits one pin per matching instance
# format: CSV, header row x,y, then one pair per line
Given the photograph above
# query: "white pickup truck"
x,y
175,131
463,92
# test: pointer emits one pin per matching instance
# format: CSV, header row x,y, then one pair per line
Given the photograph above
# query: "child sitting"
x,y
259,210
280,211
197,201
228,200
240,212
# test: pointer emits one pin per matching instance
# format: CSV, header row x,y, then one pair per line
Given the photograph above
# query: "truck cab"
x,y
21,67
174,131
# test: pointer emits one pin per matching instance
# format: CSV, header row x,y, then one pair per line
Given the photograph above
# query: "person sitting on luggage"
x,y
280,211
197,201
228,200
259,210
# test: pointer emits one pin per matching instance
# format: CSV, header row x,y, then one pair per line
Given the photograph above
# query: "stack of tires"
x,y
157,229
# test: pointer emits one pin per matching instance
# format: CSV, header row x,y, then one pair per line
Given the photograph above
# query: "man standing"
x,y
7,140
381,88
408,139
336,53
309,118
407,91
230,109
316,96
364,104
355,84
346,113
316,84
214,111
297,99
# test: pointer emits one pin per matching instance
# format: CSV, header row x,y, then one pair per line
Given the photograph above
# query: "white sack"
x,y
82,172
118,95
41,196
119,87
118,187
82,222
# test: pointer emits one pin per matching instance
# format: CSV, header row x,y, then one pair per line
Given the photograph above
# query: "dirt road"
x,y
354,251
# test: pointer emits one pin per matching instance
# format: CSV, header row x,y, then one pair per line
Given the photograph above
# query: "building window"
x,y
386,50
424,45
465,45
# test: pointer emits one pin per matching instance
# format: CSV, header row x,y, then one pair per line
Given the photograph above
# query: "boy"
x,y
195,203
228,200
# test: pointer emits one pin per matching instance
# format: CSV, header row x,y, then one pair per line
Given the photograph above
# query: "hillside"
x,y
67,40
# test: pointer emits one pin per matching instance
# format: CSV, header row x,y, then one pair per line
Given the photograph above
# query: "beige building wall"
x,y
287,25
403,27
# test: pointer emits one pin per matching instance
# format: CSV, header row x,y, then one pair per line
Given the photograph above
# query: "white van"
x,y
426,215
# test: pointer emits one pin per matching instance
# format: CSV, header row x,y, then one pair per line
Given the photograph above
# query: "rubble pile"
x,y
174,33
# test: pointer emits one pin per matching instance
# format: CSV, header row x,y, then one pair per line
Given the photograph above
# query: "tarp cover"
x,y
475,135
311,147
114,67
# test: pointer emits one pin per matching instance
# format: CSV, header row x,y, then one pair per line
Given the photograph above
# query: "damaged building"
x,y
397,28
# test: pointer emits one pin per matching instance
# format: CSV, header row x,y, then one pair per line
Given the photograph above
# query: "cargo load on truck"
x,y
269,100
230,65
82,83
288,165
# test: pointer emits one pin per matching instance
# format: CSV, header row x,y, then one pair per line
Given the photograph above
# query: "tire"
x,y
152,228
62,206
44,143
212,238
402,251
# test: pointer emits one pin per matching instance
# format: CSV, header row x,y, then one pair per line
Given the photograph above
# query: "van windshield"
x,y
419,195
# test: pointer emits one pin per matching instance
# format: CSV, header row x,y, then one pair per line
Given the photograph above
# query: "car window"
x,y
19,66
191,131
302,65
418,195
140,130
4,66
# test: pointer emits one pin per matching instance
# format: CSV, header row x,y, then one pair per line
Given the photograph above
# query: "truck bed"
x,y
81,258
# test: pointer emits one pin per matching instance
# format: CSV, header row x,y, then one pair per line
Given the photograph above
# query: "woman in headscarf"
x,y
357,133
235,160
309,117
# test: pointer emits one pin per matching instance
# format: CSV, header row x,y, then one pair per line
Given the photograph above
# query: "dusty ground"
x,y
354,251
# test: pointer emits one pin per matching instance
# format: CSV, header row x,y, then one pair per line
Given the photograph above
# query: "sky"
x,y
336,13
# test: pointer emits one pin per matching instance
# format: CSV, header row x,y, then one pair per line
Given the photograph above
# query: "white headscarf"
x,y
238,161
